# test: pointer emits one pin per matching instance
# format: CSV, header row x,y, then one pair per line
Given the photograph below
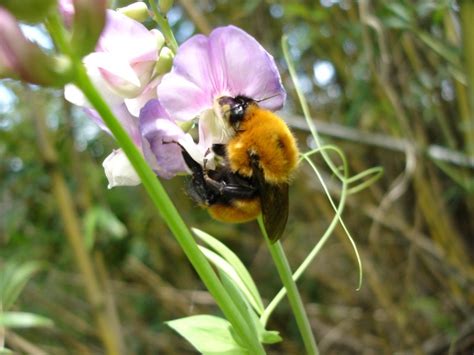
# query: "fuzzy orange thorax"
x,y
266,135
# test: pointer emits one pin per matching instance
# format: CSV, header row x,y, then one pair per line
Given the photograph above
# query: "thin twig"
x,y
335,130
22,345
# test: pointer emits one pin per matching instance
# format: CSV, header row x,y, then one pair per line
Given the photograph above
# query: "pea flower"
x,y
122,67
227,63
126,67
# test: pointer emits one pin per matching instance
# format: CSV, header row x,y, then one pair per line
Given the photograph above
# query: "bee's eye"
x,y
236,114
237,111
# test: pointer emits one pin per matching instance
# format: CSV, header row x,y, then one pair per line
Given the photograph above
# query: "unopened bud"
x,y
32,11
160,39
137,11
119,170
89,20
165,61
165,6
24,60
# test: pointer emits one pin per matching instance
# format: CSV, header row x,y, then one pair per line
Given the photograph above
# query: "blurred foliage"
x,y
391,72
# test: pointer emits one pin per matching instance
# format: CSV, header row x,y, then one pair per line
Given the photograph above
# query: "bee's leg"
x,y
193,165
219,149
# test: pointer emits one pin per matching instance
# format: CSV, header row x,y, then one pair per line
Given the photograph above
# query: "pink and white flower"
x,y
227,63
122,67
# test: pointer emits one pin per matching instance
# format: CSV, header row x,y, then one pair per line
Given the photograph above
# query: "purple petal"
x,y
250,70
129,123
162,133
228,62
187,89
127,38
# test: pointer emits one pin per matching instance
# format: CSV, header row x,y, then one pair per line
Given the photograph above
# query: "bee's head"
x,y
233,109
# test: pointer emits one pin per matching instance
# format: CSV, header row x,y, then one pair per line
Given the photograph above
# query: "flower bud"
x,y
165,6
89,20
165,61
24,60
137,11
160,39
32,11
119,170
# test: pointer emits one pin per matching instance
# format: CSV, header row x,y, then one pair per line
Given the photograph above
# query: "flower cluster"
x,y
228,62
154,92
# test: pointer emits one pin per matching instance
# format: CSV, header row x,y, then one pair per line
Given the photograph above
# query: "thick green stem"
x,y
281,263
158,196
169,213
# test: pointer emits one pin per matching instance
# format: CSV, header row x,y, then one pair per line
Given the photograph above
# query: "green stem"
x,y
344,192
308,260
168,212
281,263
305,108
165,27
159,196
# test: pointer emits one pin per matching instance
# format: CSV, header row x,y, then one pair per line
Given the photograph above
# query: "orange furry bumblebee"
x,y
258,162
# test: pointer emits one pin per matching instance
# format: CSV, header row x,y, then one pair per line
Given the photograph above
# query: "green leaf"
x,y
5,351
227,268
103,219
396,23
264,336
449,53
23,320
271,337
208,334
13,279
239,301
401,11
236,263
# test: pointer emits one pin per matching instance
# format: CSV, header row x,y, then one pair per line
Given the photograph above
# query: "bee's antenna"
x,y
267,98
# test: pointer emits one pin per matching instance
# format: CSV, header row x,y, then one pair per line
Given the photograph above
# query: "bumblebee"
x,y
257,166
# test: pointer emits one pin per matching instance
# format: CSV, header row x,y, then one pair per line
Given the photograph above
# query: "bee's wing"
x,y
274,203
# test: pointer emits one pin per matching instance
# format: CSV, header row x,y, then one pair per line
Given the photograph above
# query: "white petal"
x,y
75,96
119,170
192,148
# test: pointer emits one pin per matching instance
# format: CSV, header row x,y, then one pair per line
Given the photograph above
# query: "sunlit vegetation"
x,y
391,83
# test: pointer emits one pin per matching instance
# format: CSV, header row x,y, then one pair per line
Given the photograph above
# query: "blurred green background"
x,y
388,81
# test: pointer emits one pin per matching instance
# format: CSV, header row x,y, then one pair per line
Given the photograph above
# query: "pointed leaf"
x,y
233,260
104,219
224,266
264,336
240,301
271,337
208,334
13,279
23,320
